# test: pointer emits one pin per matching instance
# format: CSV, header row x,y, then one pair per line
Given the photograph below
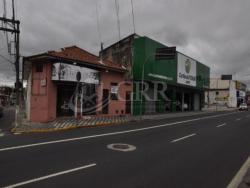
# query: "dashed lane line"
x,y
111,133
50,176
182,138
221,125
1,133
238,119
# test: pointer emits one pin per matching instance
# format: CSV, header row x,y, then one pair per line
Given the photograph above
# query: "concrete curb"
x,y
238,178
43,130
20,130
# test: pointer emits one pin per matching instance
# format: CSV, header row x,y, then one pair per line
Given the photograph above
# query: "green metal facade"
x,y
159,70
144,54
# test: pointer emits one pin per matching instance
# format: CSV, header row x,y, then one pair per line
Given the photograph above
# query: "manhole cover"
x,y
121,147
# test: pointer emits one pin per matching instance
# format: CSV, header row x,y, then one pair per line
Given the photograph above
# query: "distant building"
x,y
248,98
225,92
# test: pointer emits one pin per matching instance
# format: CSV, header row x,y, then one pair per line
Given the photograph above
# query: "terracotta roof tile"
x,y
78,54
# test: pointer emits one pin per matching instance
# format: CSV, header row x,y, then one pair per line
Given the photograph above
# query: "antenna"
x,y
133,16
98,22
99,31
4,9
118,18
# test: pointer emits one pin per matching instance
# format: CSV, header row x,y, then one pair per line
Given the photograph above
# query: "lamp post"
x,y
142,83
143,72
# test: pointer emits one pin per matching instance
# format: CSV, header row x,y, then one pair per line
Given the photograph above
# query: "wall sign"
x,y
66,72
186,70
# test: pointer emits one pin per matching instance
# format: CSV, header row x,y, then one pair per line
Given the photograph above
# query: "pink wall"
x,y
114,105
43,97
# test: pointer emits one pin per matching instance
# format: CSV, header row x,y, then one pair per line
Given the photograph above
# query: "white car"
x,y
243,106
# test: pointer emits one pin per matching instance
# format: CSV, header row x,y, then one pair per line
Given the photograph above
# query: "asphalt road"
x,y
199,151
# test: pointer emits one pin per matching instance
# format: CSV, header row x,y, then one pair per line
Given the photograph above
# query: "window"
x,y
39,67
114,91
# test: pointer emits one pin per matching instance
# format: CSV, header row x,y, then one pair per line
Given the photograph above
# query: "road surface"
x,y
203,151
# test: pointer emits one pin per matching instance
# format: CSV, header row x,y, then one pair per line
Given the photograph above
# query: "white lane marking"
x,y
1,133
110,134
182,138
221,125
17,133
238,119
50,176
240,175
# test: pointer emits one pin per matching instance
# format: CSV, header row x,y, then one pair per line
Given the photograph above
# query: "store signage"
x,y
226,77
43,82
114,89
186,70
72,73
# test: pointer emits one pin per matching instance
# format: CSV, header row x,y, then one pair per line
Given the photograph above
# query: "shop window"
x,y
39,67
114,91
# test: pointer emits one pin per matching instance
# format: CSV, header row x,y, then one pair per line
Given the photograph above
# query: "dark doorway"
x,y
178,101
105,101
89,99
128,102
64,99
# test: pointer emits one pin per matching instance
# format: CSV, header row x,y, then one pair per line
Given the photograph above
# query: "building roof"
x,y
74,53
134,35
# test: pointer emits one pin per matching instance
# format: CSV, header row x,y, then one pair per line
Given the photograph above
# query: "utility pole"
x,y
13,26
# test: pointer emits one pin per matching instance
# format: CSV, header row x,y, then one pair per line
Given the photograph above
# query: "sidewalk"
x,y
92,121
245,183
242,178
69,123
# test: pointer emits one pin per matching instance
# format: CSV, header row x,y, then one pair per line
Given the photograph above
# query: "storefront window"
x,y
114,91
39,67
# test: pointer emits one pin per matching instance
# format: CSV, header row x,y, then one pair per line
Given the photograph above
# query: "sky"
x,y
214,32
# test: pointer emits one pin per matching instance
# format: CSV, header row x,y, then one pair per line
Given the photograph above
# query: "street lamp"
x,y
142,83
168,54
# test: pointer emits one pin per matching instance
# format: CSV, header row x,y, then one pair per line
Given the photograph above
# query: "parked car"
x,y
1,110
243,106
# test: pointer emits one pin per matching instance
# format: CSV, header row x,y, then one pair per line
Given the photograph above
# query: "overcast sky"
x,y
215,32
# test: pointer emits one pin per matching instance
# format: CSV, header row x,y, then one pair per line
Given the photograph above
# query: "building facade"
x,y
221,92
74,83
229,93
248,98
185,78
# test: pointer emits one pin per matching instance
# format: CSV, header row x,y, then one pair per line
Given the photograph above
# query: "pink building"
x,y
74,82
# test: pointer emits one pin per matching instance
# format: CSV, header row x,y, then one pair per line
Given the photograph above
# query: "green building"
x,y
170,83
